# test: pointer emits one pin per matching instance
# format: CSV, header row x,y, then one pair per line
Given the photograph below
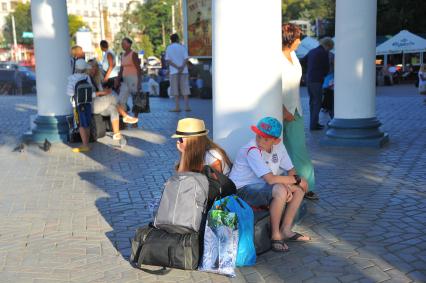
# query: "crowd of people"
x,y
111,89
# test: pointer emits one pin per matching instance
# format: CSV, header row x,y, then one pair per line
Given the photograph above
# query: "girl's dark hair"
x,y
290,32
129,41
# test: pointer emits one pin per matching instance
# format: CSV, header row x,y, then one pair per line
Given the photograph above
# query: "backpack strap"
x,y
254,147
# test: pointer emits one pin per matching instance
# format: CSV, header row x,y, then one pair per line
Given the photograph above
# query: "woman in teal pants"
x,y
294,131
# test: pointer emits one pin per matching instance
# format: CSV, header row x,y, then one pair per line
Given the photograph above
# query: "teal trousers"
x,y
295,143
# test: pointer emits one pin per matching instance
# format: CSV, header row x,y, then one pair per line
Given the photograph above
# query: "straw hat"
x,y
190,127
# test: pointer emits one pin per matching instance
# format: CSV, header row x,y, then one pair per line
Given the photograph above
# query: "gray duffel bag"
x,y
183,203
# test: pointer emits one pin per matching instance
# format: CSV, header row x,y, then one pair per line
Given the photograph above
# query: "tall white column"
x,y
355,122
51,44
246,68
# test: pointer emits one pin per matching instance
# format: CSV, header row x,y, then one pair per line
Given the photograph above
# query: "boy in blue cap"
x,y
256,173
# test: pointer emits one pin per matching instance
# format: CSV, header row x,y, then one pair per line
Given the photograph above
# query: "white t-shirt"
x,y
252,164
212,156
177,53
291,75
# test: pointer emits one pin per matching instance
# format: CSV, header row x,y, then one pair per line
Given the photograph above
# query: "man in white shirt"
x,y
256,173
177,59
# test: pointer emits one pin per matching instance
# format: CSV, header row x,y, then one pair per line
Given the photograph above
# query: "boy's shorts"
x,y
256,194
84,114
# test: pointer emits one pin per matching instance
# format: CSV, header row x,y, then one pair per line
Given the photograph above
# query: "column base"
x,y
355,133
52,128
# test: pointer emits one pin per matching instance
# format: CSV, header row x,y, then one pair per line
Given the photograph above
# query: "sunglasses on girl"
x,y
180,140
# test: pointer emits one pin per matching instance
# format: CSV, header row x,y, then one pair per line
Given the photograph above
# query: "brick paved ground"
x,y
66,217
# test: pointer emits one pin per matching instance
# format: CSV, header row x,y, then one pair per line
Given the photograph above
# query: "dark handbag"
x,y
141,103
157,247
220,185
262,232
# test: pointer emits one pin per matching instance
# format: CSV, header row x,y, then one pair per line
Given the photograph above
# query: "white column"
x,y
355,71
51,44
246,68
355,123
52,52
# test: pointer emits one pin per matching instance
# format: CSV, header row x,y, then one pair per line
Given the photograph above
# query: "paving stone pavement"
x,y
68,217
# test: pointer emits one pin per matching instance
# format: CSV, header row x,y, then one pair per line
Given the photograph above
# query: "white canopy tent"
x,y
403,42
305,46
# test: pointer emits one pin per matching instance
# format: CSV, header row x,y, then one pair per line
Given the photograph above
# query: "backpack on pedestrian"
x,y
83,92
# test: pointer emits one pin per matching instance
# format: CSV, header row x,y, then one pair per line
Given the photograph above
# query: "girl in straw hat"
x,y
197,150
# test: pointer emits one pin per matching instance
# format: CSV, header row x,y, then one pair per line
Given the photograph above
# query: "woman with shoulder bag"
x,y
130,76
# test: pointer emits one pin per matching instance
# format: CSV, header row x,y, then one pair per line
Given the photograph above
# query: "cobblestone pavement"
x,y
68,217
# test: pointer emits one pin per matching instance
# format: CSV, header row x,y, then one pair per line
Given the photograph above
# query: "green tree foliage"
x,y
149,25
74,23
22,15
23,23
308,9
396,15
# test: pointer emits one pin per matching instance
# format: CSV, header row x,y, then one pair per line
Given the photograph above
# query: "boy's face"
x,y
266,143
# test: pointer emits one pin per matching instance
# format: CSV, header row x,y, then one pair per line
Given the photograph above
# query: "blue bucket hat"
x,y
268,127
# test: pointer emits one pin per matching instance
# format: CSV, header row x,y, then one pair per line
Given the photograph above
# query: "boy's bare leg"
x,y
276,208
290,213
84,133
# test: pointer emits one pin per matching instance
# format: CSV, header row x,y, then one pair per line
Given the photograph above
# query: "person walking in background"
x,y
177,59
294,131
318,67
130,76
83,111
108,64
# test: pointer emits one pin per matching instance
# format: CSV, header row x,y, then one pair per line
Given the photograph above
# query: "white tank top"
x,y
105,64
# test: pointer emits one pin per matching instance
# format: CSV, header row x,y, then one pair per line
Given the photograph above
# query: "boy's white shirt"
x,y
251,164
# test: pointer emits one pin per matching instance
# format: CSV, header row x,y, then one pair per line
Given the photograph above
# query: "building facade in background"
x,y
103,17
6,7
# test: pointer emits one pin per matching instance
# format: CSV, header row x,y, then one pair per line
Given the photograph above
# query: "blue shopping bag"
x,y
246,255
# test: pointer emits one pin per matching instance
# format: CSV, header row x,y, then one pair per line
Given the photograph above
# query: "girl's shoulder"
x,y
213,154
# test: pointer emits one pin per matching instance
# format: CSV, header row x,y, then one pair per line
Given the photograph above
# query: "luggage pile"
x,y
198,215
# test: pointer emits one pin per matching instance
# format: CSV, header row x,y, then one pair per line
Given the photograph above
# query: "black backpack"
x,y
220,185
83,92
